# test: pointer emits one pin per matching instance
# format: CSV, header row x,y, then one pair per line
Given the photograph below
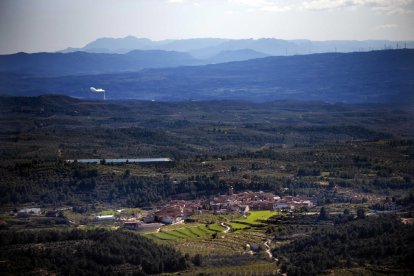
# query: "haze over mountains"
x,y
129,54
206,48
81,63
363,77
216,69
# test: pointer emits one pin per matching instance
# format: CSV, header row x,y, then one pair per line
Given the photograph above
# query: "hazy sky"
x,y
50,25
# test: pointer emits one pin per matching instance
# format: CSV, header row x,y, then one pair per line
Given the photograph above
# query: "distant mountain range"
x,y
363,77
81,63
84,63
236,55
206,48
131,54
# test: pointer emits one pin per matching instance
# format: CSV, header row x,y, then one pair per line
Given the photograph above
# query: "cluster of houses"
x,y
243,202
178,211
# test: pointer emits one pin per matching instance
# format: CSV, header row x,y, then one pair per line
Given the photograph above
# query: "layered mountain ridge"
x,y
363,77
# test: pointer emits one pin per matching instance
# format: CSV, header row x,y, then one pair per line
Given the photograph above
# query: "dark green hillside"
x,y
264,146
39,126
77,252
374,242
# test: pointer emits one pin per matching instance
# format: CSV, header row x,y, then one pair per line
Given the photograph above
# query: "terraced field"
x,y
183,231
228,252
216,227
222,253
238,226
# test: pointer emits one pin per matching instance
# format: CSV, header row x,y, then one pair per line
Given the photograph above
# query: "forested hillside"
x,y
250,146
77,252
383,241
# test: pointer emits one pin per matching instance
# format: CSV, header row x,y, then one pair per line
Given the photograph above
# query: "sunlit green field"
x,y
237,226
254,217
216,227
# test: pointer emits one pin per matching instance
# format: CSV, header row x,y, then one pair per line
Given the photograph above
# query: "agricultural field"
x,y
222,252
238,226
182,231
257,217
